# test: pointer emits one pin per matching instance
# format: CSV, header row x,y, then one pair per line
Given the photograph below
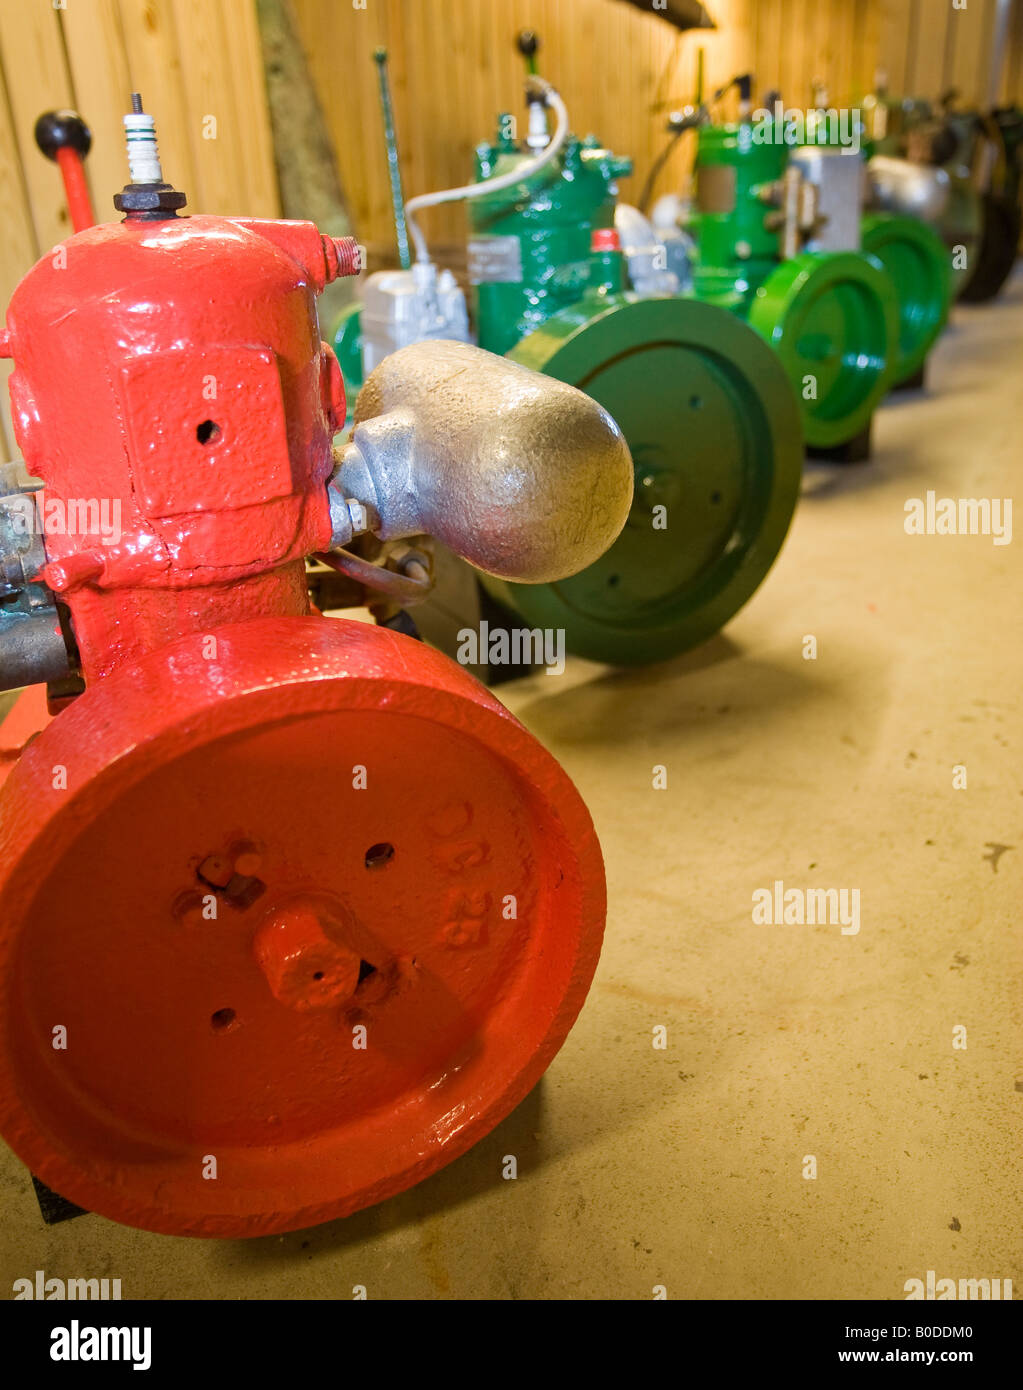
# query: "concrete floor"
x,y
683,1167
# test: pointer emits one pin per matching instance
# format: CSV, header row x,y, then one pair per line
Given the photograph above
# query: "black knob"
x,y
528,42
58,130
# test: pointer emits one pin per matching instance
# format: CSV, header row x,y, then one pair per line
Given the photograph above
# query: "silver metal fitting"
x,y
348,518
32,646
523,476
22,552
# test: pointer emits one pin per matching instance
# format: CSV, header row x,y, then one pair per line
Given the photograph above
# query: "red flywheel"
x,y
289,922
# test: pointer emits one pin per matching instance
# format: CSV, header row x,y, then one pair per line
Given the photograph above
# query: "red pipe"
x,y
76,189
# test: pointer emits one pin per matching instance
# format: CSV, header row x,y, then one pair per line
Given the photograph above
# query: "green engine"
x,y
711,422
830,315
530,256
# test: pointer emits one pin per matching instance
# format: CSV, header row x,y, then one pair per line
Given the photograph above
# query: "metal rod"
x,y
393,167
410,588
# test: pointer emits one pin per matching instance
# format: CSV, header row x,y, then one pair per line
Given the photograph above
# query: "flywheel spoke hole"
x,y
379,856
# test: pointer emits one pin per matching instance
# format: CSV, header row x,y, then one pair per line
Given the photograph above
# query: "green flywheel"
x,y
714,431
347,345
832,318
920,267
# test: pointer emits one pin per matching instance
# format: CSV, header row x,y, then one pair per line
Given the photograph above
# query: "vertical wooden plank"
x,y
572,37
37,80
102,87
675,56
338,42
816,56
634,54
915,19
360,130
209,115
154,67
968,52
866,18
488,95
835,18
379,210
222,79
928,58
19,247
798,55
222,98
743,55
424,169
482,94
262,198
677,176
842,41
448,51
997,27
666,77
893,40
768,46
1012,74
717,58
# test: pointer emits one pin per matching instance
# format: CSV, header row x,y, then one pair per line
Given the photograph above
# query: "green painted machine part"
x,y
831,316
920,267
529,248
737,249
918,263
832,319
347,345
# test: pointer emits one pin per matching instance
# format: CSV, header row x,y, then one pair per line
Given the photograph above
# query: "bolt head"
x,y
149,197
305,964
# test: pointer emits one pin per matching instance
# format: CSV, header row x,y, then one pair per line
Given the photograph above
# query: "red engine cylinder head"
x,y
171,390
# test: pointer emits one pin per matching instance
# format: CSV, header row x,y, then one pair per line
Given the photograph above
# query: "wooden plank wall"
x,y
191,59
930,46
454,66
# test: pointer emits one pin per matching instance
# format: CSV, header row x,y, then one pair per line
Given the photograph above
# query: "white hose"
x,y
494,185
